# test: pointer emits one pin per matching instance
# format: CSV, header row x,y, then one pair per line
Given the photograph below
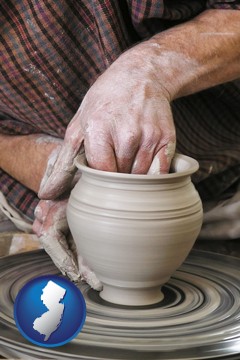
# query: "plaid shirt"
x,y
53,51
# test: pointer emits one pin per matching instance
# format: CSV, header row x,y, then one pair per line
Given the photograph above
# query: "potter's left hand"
x,y
52,229
126,123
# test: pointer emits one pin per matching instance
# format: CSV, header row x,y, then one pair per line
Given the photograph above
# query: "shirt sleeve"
x,y
12,126
224,4
18,196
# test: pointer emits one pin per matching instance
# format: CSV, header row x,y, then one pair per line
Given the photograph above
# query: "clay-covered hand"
x,y
125,121
52,229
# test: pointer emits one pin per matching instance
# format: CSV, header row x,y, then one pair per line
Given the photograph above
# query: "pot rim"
x,y
190,166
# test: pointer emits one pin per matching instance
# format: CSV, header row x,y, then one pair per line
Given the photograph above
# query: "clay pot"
x,y
134,231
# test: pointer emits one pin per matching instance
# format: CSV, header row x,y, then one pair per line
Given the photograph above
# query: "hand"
x,y
126,123
52,229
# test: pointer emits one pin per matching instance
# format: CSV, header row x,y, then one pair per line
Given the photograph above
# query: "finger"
x,y
55,245
37,226
162,160
88,275
52,235
40,214
142,160
52,228
112,149
42,209
150,141
61,169
126,148
100,154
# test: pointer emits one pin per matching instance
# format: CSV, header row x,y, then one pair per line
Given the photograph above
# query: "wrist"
x,y
169,70
192,56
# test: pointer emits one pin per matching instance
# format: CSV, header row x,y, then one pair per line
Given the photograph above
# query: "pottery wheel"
x,y
198,319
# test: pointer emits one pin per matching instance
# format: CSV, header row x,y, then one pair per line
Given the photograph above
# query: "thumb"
x,y
52,230
60,169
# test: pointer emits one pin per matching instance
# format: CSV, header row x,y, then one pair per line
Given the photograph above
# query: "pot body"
x,y
134,231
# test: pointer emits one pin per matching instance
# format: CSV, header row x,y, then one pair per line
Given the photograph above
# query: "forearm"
x,y
25,157
193,56
211,46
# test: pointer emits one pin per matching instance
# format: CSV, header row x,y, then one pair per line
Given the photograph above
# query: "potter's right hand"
x,y
52,229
